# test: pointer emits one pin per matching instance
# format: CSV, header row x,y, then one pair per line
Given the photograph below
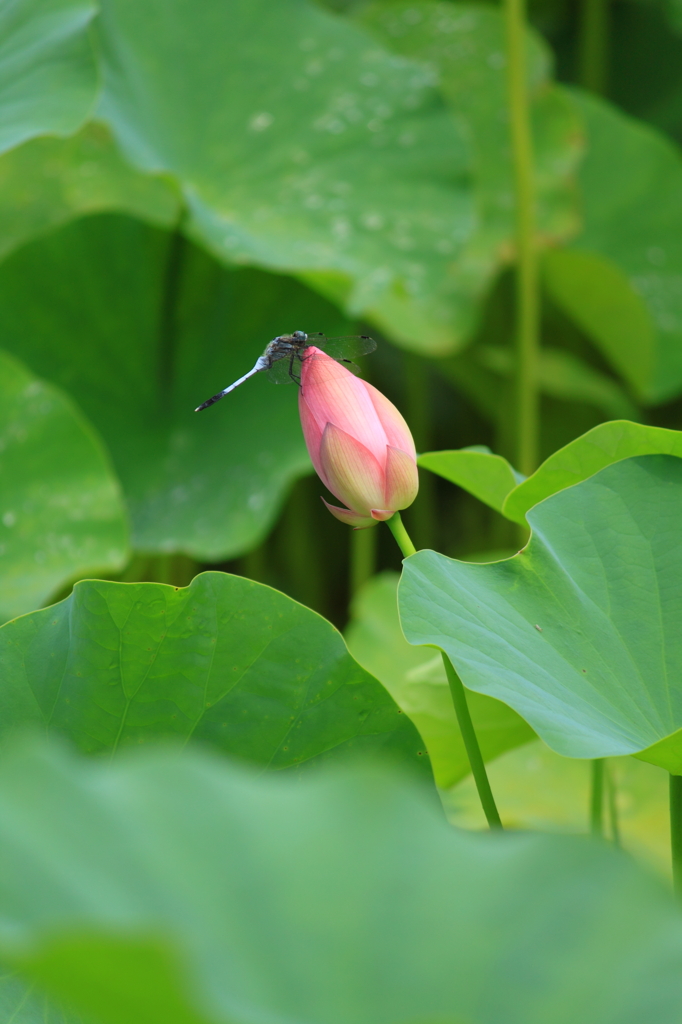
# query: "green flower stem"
x,y
254,564
363,557
402,537
466,727
459,701
527,282
597,798
676,830
593,45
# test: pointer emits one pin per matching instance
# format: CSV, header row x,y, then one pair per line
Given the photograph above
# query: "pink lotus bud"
x,y
360,445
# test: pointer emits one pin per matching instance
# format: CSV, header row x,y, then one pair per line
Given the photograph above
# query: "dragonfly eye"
x,y
299,336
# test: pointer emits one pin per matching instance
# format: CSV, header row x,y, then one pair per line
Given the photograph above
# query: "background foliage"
x,y
176,197
179,183
172,197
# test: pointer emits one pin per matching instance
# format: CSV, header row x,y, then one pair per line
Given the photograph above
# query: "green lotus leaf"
x,y
488,477
465,43
315,152
48,181
620,278
61,508
579,632
494,481
48,78
600,447
225,660
177,889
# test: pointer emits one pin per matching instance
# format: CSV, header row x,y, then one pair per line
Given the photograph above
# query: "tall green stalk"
x,y
168,311
527,281
593,45
676,831
254,564
459,700
418,412
597,798
299,553
363,557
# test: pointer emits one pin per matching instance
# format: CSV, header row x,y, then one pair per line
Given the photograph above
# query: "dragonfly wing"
x,y
281,370
350,347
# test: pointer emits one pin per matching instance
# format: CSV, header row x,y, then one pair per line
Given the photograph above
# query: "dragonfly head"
x,y
299,336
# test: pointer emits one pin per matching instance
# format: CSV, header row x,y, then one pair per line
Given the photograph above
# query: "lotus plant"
x,y
363,451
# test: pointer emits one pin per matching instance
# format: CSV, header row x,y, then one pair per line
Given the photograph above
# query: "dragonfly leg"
x,y
295,377
291,369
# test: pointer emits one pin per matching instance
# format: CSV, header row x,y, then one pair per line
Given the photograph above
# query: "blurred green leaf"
x,y
579,632
342,899
645,63
673,8
602,300
488,477
598,448
61,509
563,375
623,283
140,327
148,989
416,680
485,374
47,182
225,660
27,1004
312,150
48,78
466,44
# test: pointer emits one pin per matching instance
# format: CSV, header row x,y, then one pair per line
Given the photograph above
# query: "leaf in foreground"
x,y
227,661
579,632
61,509
173,889
416,680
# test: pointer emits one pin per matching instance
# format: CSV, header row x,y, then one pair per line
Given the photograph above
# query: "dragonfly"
x,y
283,358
